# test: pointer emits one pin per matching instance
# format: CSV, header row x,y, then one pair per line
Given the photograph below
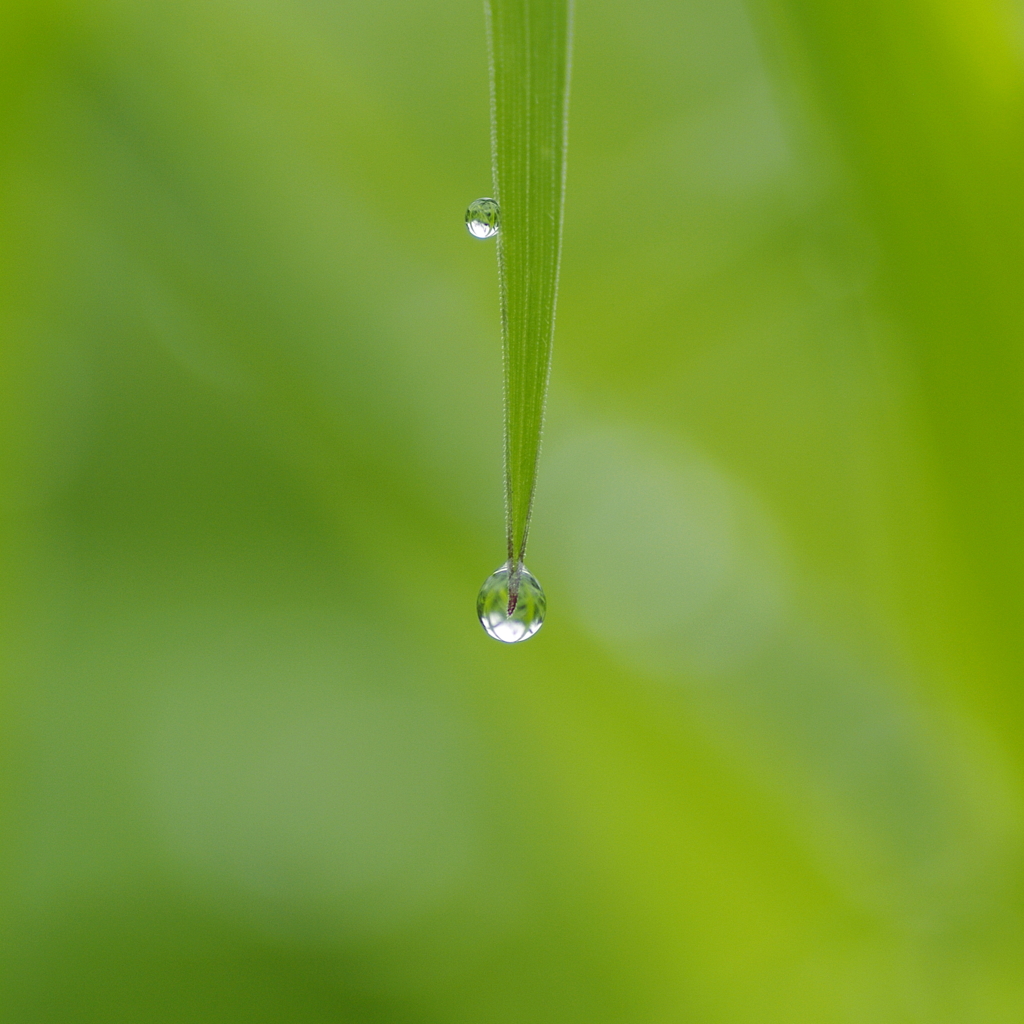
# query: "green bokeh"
x,y
259,761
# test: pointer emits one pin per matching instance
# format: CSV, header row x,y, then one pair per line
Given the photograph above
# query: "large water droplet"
x,y
511,620
483,218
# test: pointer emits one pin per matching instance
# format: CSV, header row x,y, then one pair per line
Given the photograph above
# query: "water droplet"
x,y
515,619
483,218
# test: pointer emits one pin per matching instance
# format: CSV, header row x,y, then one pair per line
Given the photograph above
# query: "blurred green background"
x,y
259,761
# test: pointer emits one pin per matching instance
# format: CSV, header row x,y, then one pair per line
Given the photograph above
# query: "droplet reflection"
x,y
483,218
511,620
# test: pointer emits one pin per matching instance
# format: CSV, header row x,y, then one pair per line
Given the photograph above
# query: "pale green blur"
x,y
261,765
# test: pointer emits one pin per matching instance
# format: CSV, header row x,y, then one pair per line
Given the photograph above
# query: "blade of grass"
x,y
530,43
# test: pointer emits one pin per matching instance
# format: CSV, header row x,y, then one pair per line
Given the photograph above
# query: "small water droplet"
x,y
483,218
511,620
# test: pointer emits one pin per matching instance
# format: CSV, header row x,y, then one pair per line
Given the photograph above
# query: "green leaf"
x,y
530,43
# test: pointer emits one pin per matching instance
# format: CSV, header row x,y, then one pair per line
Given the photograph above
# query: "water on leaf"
x,y
483,218
511,617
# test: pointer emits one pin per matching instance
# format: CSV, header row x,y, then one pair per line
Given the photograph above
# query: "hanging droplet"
x,y
483,218
511,619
